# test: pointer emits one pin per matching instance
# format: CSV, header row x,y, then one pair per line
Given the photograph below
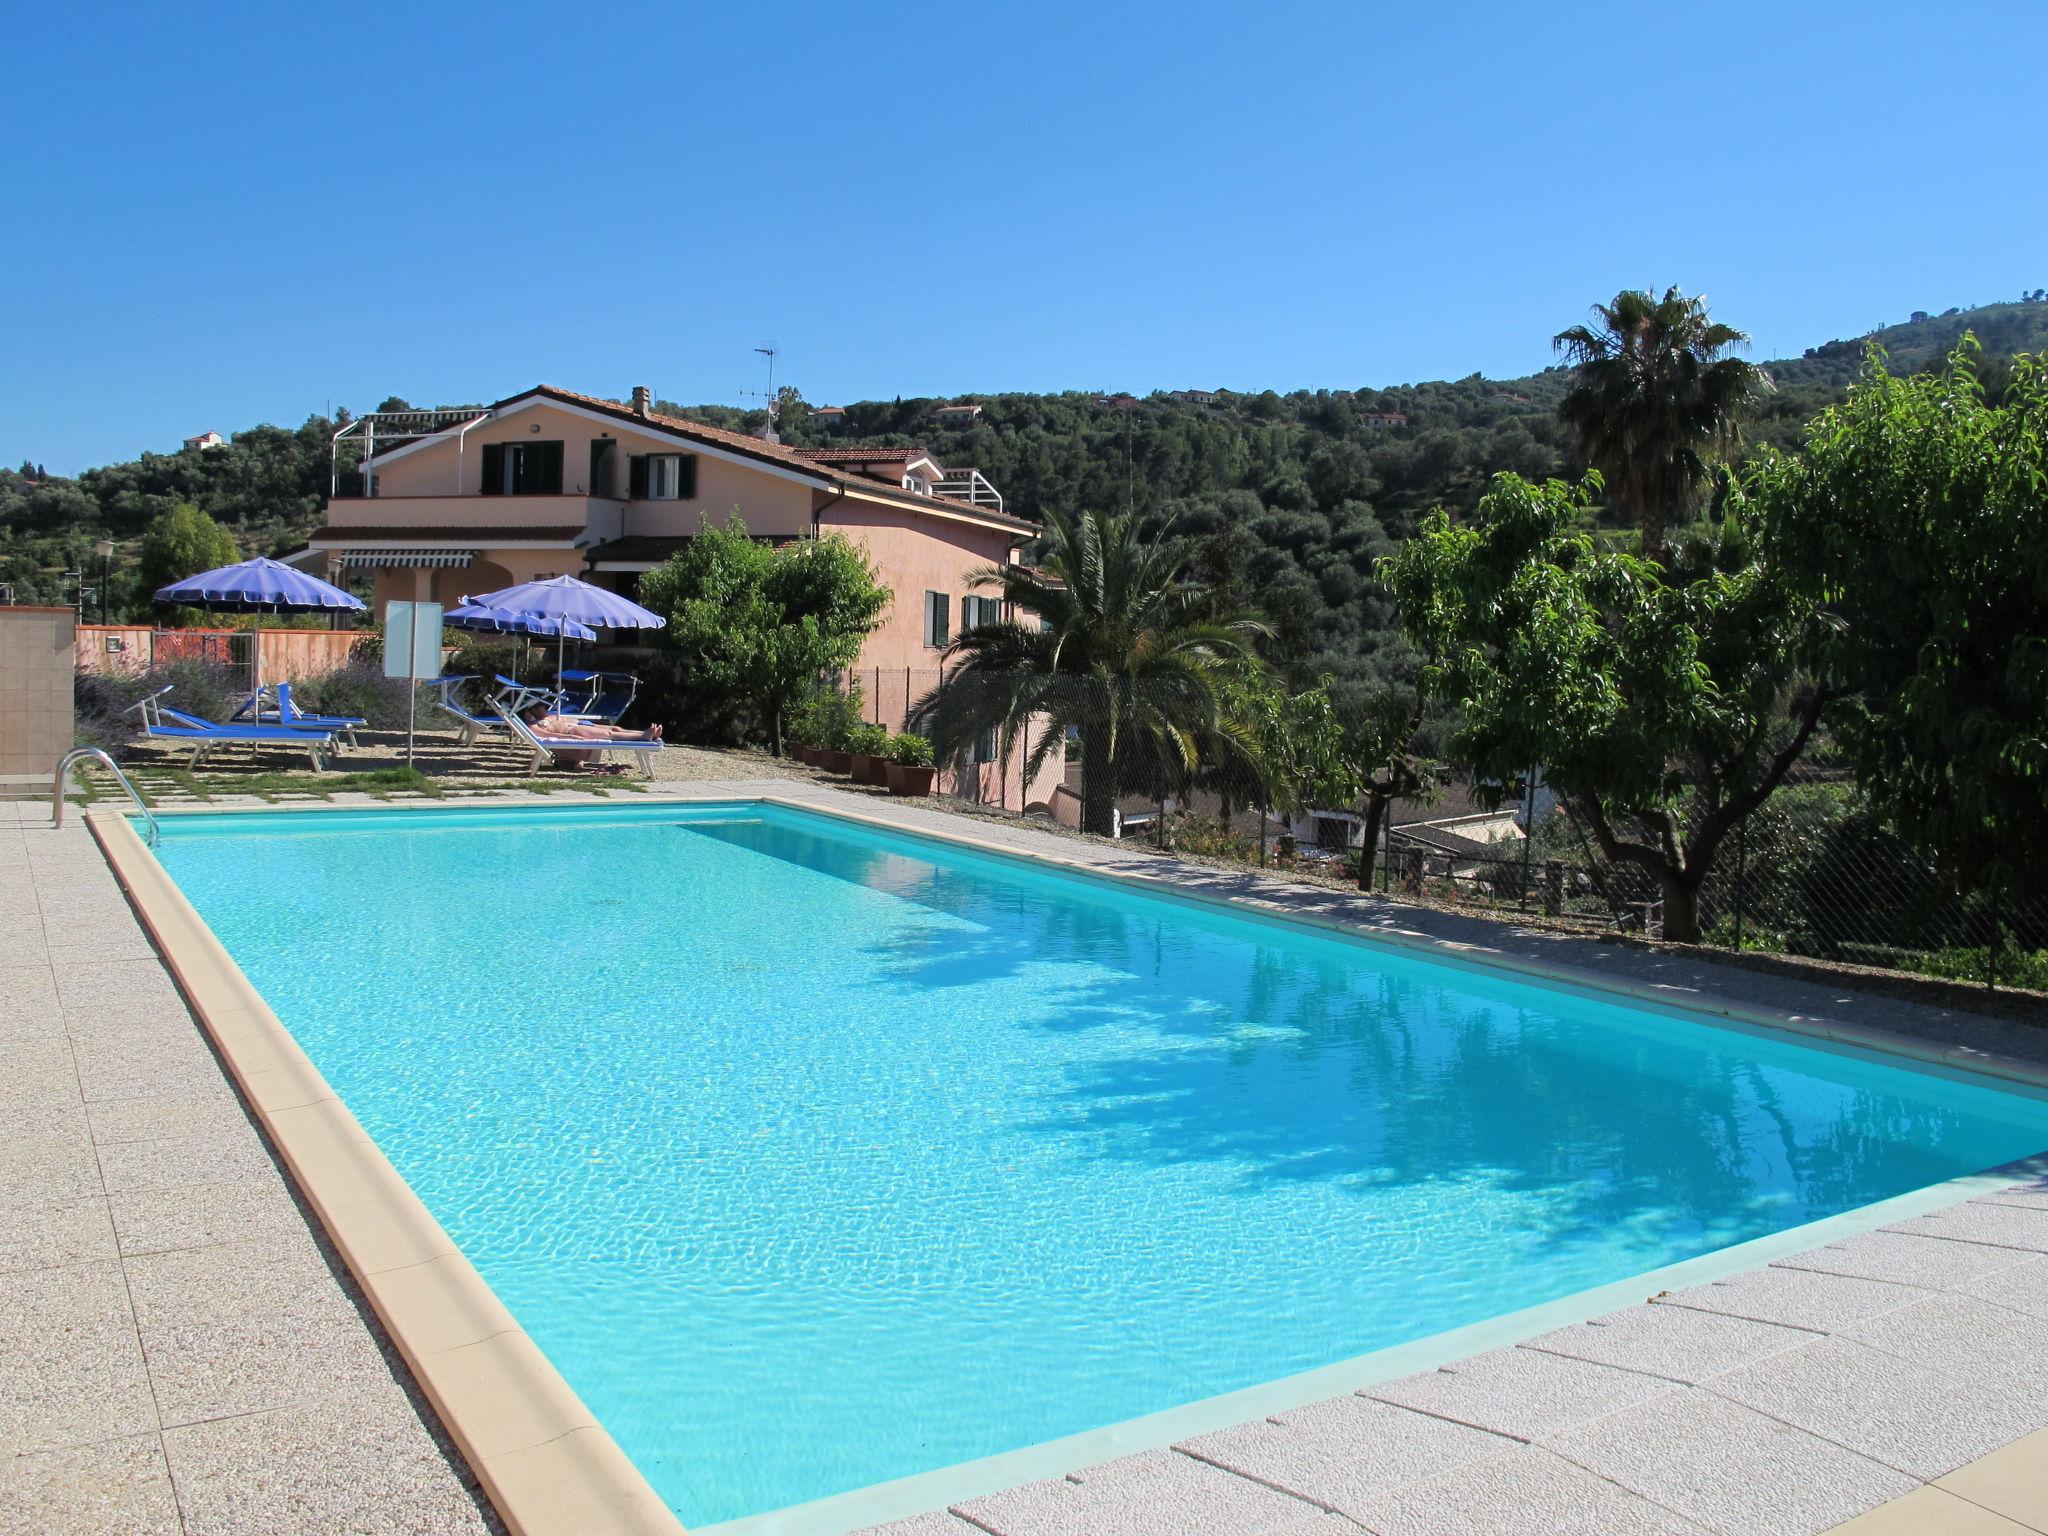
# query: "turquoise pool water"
x,y
815,1157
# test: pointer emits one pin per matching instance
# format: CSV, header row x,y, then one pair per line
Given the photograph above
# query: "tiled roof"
x,y
651,547
862,455
471,533
755,448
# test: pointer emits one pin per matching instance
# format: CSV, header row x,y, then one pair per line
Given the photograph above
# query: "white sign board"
x,y
412,640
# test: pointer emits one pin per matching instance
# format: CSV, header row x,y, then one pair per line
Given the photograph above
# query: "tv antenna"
x,y
774,404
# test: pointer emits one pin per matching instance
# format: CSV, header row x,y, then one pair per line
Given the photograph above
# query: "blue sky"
x,y
221,215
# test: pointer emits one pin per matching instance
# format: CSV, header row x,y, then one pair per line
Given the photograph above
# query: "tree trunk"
x,y
1681,908
1375,815
1098,789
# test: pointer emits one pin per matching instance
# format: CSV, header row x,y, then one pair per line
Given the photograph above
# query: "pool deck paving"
x,y
182,1350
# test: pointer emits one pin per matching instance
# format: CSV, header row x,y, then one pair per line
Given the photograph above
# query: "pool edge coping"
x,y
547,1464
600,1473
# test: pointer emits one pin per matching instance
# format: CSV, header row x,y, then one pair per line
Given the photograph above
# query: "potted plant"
x,y
910,769
867,747
832,758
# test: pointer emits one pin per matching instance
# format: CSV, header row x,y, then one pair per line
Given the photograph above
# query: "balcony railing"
x,y
970,486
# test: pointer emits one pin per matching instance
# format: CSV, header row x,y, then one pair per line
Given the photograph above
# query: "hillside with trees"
x,y
1286,501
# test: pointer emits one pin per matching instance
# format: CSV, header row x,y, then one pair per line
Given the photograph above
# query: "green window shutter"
x,y
547,470
686,477
494,469
636,490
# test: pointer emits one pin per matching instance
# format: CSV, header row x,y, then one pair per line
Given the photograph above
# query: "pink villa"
x,y
548,482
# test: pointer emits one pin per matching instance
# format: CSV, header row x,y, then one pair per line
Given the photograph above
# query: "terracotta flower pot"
x,y
833,761
868,768
905,780
799,754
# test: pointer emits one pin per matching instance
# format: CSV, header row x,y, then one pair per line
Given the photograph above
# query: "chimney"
x,y
643,400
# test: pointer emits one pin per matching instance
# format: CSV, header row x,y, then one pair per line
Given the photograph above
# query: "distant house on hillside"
x,y
956,415
1383,418
206,440
828,415
1117,402
1193,396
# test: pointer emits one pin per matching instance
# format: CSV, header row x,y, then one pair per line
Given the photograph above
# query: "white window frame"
x,y
938,620
664,476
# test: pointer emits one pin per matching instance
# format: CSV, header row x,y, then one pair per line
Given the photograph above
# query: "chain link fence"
x,y
1814,872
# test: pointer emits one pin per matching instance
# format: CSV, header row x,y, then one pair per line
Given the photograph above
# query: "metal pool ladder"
x,y
79,754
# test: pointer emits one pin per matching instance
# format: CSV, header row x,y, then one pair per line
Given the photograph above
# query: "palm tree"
x,y
1119,646
1654,397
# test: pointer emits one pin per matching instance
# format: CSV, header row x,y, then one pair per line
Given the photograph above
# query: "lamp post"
x,y
105,550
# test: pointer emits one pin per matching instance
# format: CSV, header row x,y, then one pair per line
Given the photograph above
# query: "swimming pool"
x,y
814,1155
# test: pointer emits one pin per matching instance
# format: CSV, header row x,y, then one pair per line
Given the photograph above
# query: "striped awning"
x,y
359,559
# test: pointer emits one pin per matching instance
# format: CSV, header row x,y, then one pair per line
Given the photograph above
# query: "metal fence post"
x,y
1528,833
1741,869
1262,834
1386,848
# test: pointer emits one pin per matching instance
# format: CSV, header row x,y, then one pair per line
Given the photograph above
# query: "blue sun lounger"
x,y
268,706
604,696
160,722
475,723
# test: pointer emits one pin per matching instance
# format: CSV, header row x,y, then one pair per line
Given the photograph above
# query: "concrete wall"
x,y
914,553
37,663
288,654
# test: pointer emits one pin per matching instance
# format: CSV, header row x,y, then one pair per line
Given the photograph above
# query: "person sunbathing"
x,y
561,727
545,724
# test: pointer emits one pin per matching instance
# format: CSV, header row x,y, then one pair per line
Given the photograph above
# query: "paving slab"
x,y
2011,1481
2031,1191
54,1164
1523,1393
1931,1511
71,1371
1155,1493
1523,1490
137,990
111,1488
243,1327
117,1120
51,1236
363,1464
1676,1343
1923,1420
1983,1221
201,1215
1342,1452
1798,1298
144,1062
226,1152
2000,1348
37,1071
1730,1468
940,1522
2023,1288
1885,1254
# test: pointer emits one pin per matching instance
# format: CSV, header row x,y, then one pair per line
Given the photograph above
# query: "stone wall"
x,y
36,665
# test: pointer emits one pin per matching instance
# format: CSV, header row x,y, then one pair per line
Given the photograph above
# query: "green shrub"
x,y
361,692
873,740
208,689
827,719
911,750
